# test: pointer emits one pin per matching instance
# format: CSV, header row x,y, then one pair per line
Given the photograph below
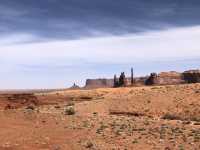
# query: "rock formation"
x,y
192,76
171,77
74,87
153,79
132,78
163,78
116,81
99,83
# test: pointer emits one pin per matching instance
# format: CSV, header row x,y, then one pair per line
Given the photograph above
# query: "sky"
x,y
54,43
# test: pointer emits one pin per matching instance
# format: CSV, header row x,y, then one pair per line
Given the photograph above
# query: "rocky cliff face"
x,y
172,77
153,79
101,83
192,76
163,78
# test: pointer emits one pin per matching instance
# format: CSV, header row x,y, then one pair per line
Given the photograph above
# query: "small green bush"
x,y
69,110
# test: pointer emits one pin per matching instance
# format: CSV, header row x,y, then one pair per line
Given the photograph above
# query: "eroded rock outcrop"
x,y
192,76
99,83
153,79
172,77
165,78
74,87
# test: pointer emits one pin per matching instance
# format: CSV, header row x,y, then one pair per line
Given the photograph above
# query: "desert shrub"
x,y
69,110
57,107
8,106
86,97
30,107
197,91
135,141
89,145
155,88
70,103
136,114
197,123
169,116
195,118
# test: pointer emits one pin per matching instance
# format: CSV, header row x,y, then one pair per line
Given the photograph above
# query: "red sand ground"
x,y
148,118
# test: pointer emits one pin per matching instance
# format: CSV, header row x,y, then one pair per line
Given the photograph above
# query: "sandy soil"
x,y
148,118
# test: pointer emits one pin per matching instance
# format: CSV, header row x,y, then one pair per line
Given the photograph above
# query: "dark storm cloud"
x,y
67,19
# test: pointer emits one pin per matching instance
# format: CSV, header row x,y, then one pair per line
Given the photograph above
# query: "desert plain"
x,y
129,118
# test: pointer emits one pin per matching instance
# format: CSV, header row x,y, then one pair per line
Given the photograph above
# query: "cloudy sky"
x,y
53,43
